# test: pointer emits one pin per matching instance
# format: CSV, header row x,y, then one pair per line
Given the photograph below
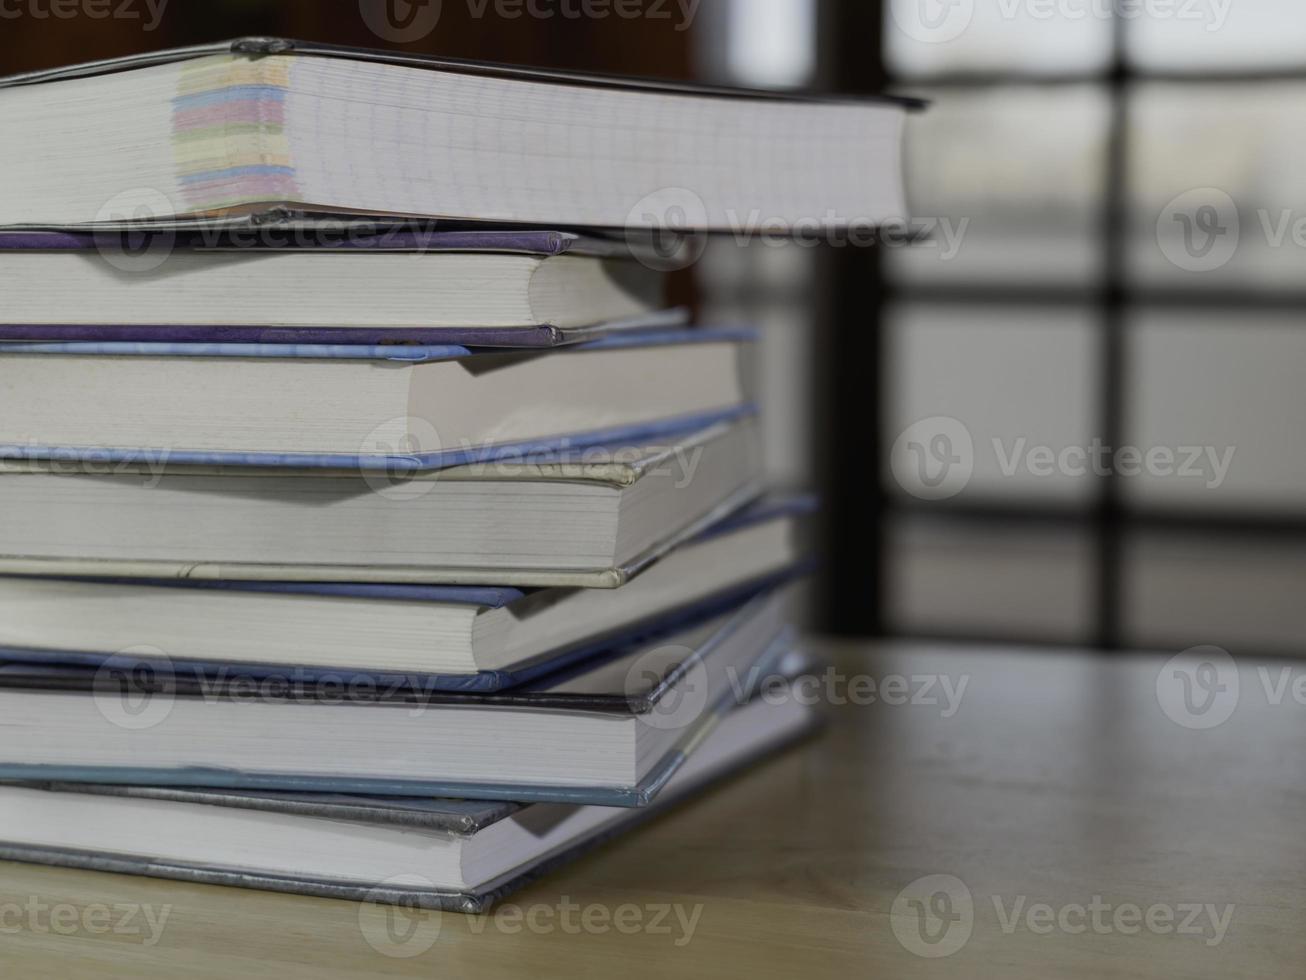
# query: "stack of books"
x,y
352,552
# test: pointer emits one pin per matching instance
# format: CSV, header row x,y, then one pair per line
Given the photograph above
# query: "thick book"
x,y
463,288
609,732
382,407
460,638
582,518
241,127
450,855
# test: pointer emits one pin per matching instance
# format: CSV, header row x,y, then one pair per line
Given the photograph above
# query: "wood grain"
x,y
1057,780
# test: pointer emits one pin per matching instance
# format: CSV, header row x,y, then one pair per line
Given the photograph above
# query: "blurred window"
x,y
771,43
1118,193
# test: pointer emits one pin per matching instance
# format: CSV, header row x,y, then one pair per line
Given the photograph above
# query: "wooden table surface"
x,y
1060,822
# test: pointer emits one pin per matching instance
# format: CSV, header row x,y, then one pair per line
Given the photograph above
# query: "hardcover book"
x,y
611,732
589,518
329,285
241,127
380,408
459,638
451,855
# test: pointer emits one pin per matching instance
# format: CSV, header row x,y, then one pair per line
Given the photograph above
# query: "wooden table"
x,y
1062,805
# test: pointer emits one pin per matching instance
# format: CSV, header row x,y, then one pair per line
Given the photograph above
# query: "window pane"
x,y
1220,34
1010,180
1218,174
938,36
998,390
951,577
1183,591
772,42
1227,385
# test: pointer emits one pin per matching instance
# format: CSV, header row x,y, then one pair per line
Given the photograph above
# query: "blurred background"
x,y
1073,413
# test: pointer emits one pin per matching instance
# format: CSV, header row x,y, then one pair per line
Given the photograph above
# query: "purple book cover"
x,y
337,237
